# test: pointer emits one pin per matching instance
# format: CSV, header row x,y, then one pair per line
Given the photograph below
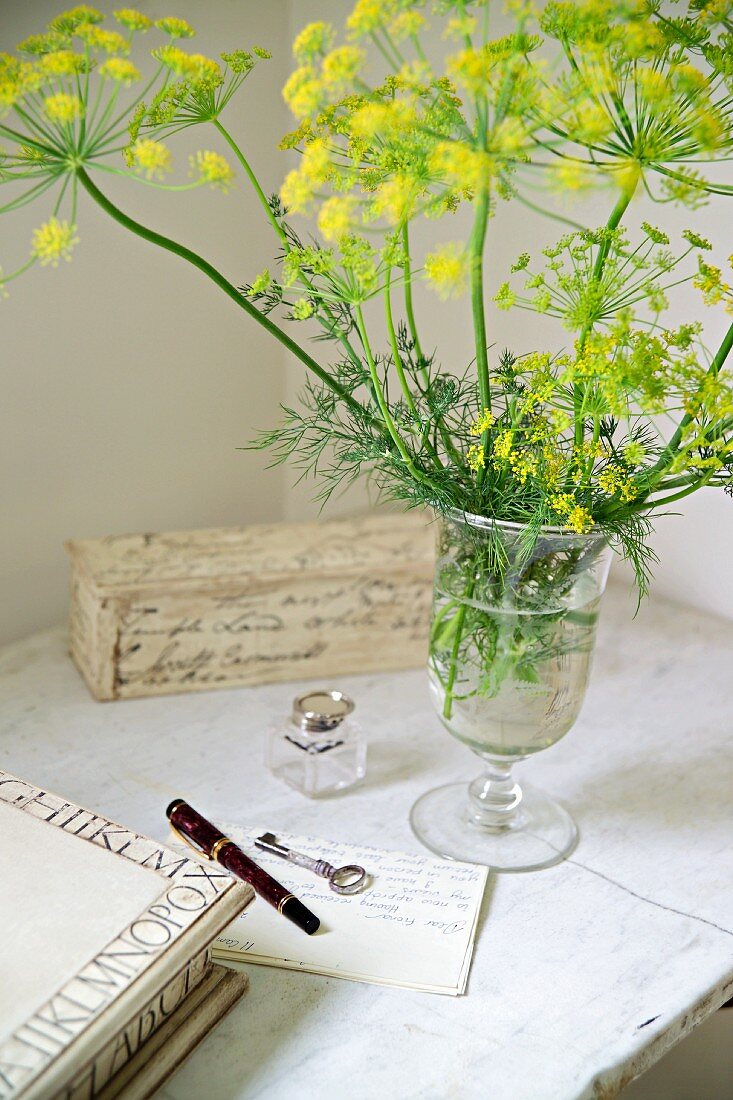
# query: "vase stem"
x,y
495,797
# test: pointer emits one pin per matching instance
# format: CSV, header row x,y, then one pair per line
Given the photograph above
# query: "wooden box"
x,y
195,610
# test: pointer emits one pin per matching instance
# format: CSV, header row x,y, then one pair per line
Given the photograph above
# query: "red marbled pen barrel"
x,y
210,842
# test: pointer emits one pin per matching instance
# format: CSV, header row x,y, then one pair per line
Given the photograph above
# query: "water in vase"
x,y
510,682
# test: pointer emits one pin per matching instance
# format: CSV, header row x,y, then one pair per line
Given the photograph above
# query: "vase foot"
x,y
540,834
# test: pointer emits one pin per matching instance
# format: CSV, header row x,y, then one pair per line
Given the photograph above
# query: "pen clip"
x,y
187,840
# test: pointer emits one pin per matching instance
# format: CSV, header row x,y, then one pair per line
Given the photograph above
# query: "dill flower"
x,y
176,28
475,456
505,298
316,164
657,236
314,39
63,108
151,157
572,175
395,198
562,503
580,520
262,283
447,270
503,445
696,240
406,24
303,309
132,19
297,192
39,44
366,17
459,164
388,120
120,70
192,65
62,63
469,68
482,423
341,66
69,21
634,453
97,38
212,168
303,91
613,479
709,281
336,217
53,241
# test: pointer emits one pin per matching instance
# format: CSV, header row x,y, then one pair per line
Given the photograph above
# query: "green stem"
x,y
476,252
613,222
229,289
683,492
396,357
409,309
478,241
330,323
252,179
453,667
382,402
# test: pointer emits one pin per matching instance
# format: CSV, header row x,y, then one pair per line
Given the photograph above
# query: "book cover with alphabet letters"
x,y
95,921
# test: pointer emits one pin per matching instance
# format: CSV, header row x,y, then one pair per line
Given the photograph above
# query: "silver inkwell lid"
x,y
319,712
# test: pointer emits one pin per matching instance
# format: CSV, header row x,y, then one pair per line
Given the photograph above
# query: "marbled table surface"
x,y
583,974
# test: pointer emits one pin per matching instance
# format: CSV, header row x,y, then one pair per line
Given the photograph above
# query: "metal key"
x,y
342,880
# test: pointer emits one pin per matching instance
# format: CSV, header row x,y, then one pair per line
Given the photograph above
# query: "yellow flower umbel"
x,y
62,63
313,40
151,157
120,70
63,108
367,16
447,270
297,192
133,20
482,423
212,168
336,217
53,241
303,91
176,28
475,457
575,517
97,38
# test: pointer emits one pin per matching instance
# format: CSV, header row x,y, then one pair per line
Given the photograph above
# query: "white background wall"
x,y
129,380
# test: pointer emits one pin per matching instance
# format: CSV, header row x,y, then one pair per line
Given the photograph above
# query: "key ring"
x,y
347,880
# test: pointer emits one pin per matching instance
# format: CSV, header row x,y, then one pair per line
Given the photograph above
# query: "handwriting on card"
x,y
414,926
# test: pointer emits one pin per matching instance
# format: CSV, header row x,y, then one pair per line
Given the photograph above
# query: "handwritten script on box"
x,y
413,927
195,610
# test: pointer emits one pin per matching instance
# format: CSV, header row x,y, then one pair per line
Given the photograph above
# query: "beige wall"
x,y
129,381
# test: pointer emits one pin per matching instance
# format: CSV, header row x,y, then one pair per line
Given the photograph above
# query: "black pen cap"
x,y
295,911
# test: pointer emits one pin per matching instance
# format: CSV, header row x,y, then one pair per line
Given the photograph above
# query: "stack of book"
x,y
105,939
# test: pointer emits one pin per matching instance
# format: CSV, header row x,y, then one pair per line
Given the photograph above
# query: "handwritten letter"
x,y
414,926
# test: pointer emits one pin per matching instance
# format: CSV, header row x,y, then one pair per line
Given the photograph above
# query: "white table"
x,y
583,974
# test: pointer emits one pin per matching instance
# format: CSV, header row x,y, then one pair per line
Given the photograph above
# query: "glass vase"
x,y
511,642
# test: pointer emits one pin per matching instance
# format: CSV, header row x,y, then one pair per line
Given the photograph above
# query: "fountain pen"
x,y
206,839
